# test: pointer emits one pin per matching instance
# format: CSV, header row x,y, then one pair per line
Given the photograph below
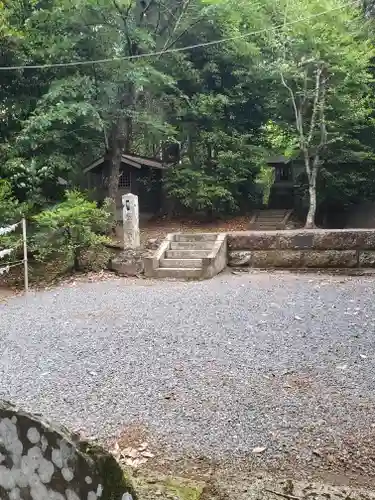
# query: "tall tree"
x,y
304,68
323,66
111,100
316,58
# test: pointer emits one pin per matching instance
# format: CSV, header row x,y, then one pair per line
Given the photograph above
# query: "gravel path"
x,y
216,367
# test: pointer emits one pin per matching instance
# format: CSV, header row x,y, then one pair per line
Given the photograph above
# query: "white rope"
x,y
4,270
8,229
9,266
6,252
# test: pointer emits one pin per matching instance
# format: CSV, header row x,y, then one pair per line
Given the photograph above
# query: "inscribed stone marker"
x,y
130,215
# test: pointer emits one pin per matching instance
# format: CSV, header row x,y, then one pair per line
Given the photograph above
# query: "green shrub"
x,y
72,232
10,209
221,187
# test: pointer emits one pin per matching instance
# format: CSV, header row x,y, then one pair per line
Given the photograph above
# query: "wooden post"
x,y
25,263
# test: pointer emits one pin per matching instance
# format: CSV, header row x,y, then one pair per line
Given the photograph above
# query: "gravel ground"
x,y
216,368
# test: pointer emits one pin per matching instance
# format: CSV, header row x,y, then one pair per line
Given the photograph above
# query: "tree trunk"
x,y
113,158
310,219
120,142
76,260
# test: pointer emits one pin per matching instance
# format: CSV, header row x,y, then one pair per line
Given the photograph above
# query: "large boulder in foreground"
x,y
40,461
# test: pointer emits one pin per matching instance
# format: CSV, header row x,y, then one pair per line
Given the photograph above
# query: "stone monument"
x,y
130,215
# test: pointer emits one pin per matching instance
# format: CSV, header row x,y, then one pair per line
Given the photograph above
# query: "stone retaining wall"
x,y
317,248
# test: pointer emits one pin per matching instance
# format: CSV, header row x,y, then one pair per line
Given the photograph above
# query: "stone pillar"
x,y
130,216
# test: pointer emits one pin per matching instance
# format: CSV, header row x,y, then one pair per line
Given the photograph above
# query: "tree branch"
x,y
323,130
297,112
158,21
146,9
322,117
101,120
186,30
177,24
304,98
124,16
172,14
105,135
315,105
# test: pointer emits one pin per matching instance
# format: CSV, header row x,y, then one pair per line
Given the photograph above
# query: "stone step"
x,y
273,211
175,272
190,263
192,245
186,254
264,221
268,223
256,223
195,237
273,217
268,226
269,218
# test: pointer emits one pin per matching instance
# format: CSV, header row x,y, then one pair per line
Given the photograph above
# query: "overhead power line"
x,y
176,49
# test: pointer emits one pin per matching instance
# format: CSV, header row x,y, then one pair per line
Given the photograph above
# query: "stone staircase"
x,y
188,256
269,220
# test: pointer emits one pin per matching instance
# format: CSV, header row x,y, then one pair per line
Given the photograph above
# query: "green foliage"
x,y
197,191
72,231
279,139
224,103
214,180
11,210
35,180
265,180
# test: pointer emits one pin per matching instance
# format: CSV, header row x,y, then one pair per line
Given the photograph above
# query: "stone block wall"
x,y
316,248
39,461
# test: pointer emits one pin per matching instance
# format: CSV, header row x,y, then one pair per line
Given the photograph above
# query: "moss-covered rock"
x,y
156,486
115,481
57,463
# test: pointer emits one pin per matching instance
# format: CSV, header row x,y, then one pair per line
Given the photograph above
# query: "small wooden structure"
x,y
138,175
287,170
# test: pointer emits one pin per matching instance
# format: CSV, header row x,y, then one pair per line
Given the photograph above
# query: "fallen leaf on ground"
x,y
147,454
116,450
142,446
136,462
130,452
259,449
